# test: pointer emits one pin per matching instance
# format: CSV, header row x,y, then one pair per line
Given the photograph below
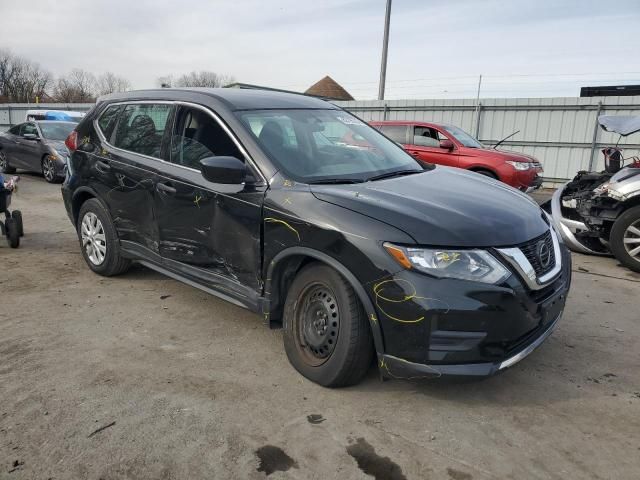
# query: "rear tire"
x,y
99,241
4,164
327,336
13,235
17,216
624,239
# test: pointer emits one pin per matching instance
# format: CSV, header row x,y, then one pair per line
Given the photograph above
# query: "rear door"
x,y
425,146
125,170
10,144
205,232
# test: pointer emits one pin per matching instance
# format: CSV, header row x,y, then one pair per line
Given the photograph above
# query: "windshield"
x,y
316,146
56,130
463,137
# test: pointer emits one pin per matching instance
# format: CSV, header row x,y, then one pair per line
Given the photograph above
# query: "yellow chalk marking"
x,y
197,200
378,288
286,224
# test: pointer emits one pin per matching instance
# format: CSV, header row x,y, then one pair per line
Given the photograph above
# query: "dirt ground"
x,y
140,376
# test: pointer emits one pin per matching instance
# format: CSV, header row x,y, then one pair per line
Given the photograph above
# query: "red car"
x,y
449,145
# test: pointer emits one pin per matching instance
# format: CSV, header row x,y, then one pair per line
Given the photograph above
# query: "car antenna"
x,y
505,138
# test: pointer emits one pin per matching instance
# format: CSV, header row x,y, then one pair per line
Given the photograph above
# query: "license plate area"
x,y
552,308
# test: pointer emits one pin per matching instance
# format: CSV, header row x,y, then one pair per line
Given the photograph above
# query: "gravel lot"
x,y
189,386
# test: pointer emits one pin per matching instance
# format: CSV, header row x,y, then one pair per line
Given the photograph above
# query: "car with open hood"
x,y
354,249
449,145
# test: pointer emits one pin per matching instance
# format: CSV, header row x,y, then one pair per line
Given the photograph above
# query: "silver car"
x,y
36,146
599,213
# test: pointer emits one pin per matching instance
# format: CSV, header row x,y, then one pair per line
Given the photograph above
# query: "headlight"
x,y
475,265
520,165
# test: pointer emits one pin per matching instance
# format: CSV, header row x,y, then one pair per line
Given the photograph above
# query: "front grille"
x,y
530,250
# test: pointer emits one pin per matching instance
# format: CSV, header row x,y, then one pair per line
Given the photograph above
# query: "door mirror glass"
x,y
446,144
225,170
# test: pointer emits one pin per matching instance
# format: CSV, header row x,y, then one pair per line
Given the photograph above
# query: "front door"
x,y
205,232
425,146
28,150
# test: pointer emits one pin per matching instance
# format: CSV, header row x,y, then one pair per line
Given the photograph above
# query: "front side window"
x,y
56,130
316,146
197,135
29,129
427,137
108,120
15,130
141,128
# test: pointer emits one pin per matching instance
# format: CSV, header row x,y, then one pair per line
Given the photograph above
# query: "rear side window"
x,y
141,128
397,133
108,119
196,136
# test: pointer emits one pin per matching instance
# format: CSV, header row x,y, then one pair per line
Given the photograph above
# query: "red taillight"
x,y
72,141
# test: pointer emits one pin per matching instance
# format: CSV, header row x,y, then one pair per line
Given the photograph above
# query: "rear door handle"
x,y
414,154
164,188
102,166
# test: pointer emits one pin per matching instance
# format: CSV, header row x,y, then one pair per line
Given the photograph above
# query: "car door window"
x,y
29,129
197,135
15,130
108,120
397,133
141,128
427,137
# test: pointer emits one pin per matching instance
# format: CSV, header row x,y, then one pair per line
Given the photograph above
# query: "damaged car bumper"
x,y
466,328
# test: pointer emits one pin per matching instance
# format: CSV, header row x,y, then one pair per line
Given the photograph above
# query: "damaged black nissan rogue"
x,y
295,209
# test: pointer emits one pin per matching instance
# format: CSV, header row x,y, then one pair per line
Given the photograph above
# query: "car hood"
x,y
503,155
59,146
444,207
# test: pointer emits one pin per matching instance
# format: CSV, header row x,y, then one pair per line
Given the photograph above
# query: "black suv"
x,y
293,208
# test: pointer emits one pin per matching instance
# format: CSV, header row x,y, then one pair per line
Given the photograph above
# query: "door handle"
x,y
102,166
414,154
164,188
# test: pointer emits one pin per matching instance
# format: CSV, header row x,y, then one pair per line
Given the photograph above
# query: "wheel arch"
x,y
80,196
483,168
283,269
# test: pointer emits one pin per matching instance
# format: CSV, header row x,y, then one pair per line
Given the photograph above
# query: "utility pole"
x,y
385,45
477,112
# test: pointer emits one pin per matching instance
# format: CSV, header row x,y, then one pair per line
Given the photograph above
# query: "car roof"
x,y
233,98
410,122
52,121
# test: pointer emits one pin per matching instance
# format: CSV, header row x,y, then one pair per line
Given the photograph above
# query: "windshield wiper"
x,y
397,173
335,181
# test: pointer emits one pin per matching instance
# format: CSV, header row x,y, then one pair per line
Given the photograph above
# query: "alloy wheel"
x,y
48,169
317,324
631,240
3,162
94,240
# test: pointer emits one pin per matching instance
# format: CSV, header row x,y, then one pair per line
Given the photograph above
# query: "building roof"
x,y
328,88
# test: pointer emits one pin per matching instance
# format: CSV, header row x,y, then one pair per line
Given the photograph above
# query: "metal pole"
x,y
477,112
385,45
592,158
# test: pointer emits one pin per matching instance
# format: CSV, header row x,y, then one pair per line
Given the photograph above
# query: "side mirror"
x,y
225,170
30,136
446,144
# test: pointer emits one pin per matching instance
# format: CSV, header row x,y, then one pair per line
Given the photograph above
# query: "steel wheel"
x,y
631,240
48,169
94,240
317,324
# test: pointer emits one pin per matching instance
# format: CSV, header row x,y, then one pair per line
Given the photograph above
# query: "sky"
x,y
437,48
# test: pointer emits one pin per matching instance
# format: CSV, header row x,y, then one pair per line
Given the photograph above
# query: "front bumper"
x,y
435,327
567,227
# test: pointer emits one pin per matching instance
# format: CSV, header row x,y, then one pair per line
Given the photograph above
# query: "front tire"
x,y
99,240
49,170
4,164
327,336
624,240
17,216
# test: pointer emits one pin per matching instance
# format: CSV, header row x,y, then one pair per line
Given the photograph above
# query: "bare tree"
x,y
109,83
203,78
20,79
76,87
